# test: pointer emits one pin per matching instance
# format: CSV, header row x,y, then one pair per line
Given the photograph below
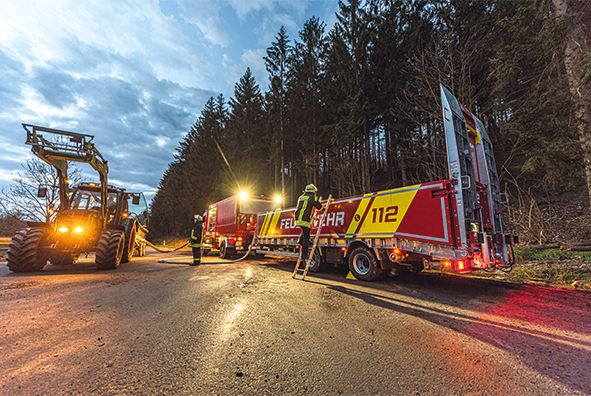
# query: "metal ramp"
x,y
477,195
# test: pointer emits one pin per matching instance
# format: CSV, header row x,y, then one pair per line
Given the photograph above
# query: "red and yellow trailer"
x,y
455,223
384,230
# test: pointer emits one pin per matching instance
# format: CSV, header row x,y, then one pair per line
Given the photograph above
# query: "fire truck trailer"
x,y
454,223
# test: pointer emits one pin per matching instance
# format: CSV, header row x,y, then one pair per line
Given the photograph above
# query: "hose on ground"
x,y
165,251
170,261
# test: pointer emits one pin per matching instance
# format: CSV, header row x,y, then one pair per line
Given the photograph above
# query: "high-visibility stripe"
x,y
370,201
305,199
385,212
273,222
357,218
302,223
265,227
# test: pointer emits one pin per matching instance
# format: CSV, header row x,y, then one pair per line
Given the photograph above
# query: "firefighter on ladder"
x,y
303,217
195,243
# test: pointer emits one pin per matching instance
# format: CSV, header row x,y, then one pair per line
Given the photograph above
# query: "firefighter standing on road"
x,y
303,216
195,243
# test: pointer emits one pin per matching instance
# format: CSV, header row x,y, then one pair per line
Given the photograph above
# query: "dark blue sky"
x,y
133,73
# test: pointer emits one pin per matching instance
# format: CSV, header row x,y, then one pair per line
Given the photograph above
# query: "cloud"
x,y
133,73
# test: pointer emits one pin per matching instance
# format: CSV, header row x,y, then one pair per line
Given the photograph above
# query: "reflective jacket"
x,y
196,235
303,214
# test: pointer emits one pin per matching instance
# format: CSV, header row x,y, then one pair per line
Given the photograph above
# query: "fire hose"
x,y
165,251
170,260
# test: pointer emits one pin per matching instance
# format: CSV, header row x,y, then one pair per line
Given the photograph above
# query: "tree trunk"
x,y
577,47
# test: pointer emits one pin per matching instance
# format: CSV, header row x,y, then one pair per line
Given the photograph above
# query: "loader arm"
x,y
63,147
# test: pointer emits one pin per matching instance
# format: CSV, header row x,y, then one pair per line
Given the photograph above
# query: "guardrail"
x,y
4,241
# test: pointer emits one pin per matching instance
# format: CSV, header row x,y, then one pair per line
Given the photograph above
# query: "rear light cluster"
x,y
459,266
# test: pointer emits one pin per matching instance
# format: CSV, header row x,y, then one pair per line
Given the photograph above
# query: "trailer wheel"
x,y
316,264
363,264
225,251
128,248
109,250
23,252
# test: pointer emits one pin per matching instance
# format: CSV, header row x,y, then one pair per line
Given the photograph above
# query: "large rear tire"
x,y
129,246
109,250
363,264
23,252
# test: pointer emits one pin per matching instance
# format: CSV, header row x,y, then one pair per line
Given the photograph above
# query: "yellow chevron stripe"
x,y
274,222
387,211
358,214
265,225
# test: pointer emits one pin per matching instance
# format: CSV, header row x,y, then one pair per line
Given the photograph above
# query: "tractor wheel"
x,y
316,263
128,249
63,258
109,250
363,264
23,252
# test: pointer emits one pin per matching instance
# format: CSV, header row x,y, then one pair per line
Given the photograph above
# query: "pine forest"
x,y
356,108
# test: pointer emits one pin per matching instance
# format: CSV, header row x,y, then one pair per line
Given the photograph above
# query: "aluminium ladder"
x,y
320,224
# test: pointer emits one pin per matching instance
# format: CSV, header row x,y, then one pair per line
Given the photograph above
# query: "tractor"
x,y
91,217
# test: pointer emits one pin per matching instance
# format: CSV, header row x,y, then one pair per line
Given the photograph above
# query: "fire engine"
x,y
229,225
455,223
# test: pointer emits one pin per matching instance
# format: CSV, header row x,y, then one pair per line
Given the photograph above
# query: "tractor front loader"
x,y
91,217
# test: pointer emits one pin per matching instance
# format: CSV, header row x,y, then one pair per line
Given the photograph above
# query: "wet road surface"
x,y
249,328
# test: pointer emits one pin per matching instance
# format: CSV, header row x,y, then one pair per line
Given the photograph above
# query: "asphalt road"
x,y
249,328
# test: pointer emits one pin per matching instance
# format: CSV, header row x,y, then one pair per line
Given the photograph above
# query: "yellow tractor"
x,y
91,217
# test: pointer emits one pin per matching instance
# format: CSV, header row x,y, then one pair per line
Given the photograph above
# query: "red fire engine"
x,y
229,225
453,223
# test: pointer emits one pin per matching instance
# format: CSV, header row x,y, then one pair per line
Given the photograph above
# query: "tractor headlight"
x,y
63,229
78,230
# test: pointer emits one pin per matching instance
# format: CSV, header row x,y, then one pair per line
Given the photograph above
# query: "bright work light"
x,y
278,199
243,195
78,230
63,229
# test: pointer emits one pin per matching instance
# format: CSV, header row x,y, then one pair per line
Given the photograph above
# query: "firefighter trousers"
x,y
304,242
196,256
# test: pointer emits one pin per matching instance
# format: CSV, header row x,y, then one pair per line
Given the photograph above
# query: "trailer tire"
x,y
363,264
109,250
316,265
129,245
225,251
23,252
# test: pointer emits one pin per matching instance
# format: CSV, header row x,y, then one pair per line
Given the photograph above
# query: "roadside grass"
x,y
528,254
552,267
554,275
3,247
